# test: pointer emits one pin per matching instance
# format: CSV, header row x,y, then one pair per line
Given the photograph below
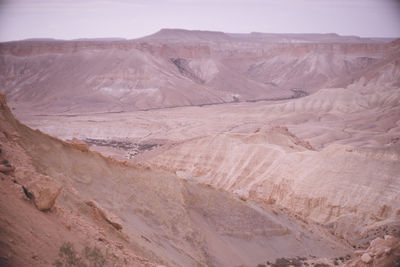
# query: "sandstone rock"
x,y
79,144
108,216
44,192
366,258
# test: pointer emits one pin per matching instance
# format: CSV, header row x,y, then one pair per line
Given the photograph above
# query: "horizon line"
x,y
117,38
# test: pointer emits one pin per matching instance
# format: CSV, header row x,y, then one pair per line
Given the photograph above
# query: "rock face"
x,y
274,167
44,192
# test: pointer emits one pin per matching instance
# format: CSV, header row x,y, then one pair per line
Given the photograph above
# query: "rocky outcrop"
x,y
382,252
108,216
79,144
337,186
44,191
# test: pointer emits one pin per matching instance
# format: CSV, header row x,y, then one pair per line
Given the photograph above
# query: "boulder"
x,y
366,258
43,191
381,253
108,216
79,144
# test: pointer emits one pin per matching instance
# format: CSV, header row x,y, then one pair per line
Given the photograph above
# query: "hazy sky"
x,y
69,19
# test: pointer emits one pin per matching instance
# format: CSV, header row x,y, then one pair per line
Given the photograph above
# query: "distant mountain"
x,y
177,68
180,35
107,39
306,38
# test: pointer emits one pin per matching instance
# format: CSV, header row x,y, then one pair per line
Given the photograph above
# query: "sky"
x,y
72,19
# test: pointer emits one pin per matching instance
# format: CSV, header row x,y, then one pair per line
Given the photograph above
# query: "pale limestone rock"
x,y
359,252
366,258
44,192
377,241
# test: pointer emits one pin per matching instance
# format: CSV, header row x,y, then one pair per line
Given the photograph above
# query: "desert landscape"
x,y
200,148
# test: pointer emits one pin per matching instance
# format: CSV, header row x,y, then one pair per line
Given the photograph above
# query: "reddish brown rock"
x,y
44,192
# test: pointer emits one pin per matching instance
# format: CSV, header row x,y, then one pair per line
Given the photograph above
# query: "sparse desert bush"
x,y
94,256
89,257
68,256
283,262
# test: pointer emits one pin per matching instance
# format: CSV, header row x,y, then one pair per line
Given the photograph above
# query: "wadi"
x,y
200,148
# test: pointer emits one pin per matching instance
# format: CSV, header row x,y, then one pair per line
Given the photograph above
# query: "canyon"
x,y
197,148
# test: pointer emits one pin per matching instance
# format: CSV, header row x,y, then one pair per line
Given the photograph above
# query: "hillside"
x,y
175,68
140,215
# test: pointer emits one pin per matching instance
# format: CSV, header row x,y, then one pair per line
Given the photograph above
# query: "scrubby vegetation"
x,y
89,257
302,261
283,262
